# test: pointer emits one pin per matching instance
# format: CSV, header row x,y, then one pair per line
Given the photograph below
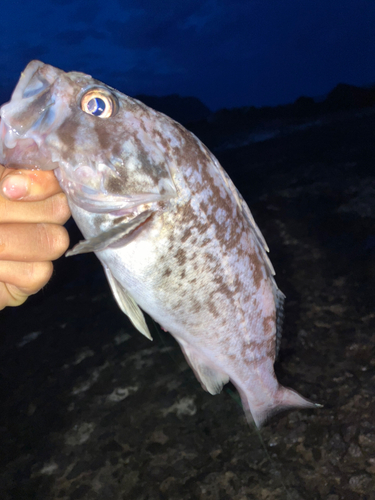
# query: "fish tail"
x,y
259,407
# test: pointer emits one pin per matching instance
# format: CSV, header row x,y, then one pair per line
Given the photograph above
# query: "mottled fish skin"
x,y
196,262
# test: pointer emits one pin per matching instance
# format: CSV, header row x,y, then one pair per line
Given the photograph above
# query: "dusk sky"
x,y
225,52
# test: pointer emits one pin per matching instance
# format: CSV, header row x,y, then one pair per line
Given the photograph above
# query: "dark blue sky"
x,y
226,52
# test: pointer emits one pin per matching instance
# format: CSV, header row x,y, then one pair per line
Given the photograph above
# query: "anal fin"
x,y
211,379
127,304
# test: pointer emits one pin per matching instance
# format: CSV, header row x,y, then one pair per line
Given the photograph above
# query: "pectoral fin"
x,y
211,379
127,304
113,235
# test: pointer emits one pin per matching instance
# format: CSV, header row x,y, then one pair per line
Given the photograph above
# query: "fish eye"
x,y
99,103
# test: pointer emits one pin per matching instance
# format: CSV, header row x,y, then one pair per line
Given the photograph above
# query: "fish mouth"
x,y
28,118
21,152
26,78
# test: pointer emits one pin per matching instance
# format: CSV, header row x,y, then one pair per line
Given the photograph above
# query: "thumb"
x,y
28,185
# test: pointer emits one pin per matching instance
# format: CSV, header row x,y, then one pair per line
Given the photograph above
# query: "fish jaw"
x,y
39,104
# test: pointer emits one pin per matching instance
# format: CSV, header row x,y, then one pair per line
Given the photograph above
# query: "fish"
x,y
173,234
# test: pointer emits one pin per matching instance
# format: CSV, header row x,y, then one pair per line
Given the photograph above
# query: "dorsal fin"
x,y
279,300
262,245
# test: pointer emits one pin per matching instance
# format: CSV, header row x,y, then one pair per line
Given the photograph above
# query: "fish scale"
x,y
174,236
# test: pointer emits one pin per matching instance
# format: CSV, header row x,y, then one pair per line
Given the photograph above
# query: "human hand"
x,y
32,211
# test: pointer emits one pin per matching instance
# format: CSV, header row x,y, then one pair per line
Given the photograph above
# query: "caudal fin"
x,y
260,409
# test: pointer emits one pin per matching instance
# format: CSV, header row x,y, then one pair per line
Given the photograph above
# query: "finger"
x,y
10,296
32,242
24,278
28,185
54,210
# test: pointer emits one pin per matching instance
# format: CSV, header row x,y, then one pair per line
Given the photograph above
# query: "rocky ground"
x,y
92,410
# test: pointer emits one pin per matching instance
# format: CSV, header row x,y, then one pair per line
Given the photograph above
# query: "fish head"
x,y
100,142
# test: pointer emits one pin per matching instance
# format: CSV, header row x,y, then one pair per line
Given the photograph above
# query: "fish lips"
x,y
28,118
22,152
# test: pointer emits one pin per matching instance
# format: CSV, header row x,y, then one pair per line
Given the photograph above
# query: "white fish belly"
x,y
212,303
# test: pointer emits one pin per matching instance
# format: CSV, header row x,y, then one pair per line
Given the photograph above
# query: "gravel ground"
x,y
92,410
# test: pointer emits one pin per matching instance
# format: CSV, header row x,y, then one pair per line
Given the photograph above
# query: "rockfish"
x,y
174,236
